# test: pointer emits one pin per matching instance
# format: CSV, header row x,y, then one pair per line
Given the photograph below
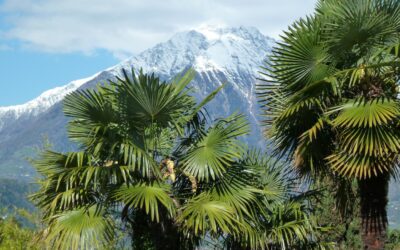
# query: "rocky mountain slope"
x,y
230,55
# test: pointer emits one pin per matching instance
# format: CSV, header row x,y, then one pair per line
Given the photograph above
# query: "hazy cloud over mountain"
x,y
125,27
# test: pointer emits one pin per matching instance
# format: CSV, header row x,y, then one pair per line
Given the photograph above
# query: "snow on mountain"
x,y
230,55
206,49
232,51
227,55
41,103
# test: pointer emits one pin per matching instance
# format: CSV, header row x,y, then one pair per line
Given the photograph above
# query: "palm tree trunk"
x,y
374,198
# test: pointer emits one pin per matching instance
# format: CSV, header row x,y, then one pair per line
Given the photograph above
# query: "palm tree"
x,y
151,158
330,99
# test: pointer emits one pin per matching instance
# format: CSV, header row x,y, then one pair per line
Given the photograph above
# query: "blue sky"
x,y
26,74
47,43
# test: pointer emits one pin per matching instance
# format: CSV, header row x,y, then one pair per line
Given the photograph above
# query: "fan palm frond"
x,y
203,214
80,229
217,149
148,197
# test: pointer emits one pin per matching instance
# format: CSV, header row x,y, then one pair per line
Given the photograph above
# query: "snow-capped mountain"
x,y
231,55
41,103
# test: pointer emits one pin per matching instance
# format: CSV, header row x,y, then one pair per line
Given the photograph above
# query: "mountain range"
x,y
230,55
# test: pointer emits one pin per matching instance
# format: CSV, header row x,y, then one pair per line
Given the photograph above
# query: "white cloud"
x,y
129,26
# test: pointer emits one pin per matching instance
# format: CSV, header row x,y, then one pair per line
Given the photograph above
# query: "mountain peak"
x,y
206,48
213,32
220,55
217,32
217,49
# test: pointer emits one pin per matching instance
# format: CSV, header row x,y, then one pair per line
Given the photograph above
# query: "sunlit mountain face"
x,y
229,55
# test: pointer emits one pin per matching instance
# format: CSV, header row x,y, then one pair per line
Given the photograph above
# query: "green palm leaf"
x,y
364,113
145,100
330,98
147,197
80,229
217,149
202,215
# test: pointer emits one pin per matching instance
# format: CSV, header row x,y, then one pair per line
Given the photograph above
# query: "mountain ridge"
x,y
210,36
219,55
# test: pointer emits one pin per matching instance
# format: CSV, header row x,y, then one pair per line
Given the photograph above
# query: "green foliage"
x,y
147,198
332,82
67,229
13,235
331,106
151,158
344,225
393,240
216,148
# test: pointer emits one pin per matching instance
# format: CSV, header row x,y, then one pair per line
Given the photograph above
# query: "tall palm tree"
x,y
330,98
151,158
